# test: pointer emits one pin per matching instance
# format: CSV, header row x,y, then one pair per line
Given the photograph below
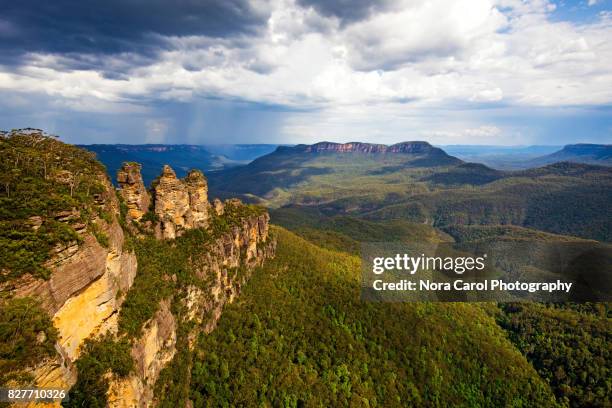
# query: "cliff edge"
x,y
102,288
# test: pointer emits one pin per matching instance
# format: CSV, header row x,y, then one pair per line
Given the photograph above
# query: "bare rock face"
x,y
133,190
151,352
218,206
181,204
83,293
197,188
171,203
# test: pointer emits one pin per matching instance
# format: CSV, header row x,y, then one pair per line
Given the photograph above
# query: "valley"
x,y
152,295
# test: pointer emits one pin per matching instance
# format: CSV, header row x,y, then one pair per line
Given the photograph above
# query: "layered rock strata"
x,y
180,204
84,291
133,191
246,246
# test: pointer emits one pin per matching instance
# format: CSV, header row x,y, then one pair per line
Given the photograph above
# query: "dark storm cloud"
x,y
86,33
347,11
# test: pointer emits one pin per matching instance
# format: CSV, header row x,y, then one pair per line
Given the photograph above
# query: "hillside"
x,y
328,171
499,157
243,153
598,154
152,295
300,336
153,156
422,184
524,157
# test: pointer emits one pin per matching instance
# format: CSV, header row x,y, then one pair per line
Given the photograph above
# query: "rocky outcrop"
x,y
418,148
89,277
404,147
171,204
84,291
151,352
180,204
244,247
197,189
133,190
218,206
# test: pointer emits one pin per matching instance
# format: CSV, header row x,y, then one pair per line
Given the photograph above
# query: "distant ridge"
x,y
416,147
599,154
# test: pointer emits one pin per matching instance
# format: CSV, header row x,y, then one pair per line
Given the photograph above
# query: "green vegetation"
x,y
462,233
100,356
27,336
165,269
571,349
41,181
345,232
164,266
299,336
173,384
563,198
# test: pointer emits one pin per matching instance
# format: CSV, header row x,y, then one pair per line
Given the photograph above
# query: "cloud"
x,y
363,62
348,11
83,34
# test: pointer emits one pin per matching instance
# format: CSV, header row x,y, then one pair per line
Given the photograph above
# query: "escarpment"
x,y
81,278
229,241
130,276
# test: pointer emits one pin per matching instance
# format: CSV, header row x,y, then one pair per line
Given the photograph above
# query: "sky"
x,y
507,72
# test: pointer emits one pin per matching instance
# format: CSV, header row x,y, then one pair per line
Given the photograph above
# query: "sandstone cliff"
x,y
180,204
85,281
83,292
237,241
404,147
133,190
245,246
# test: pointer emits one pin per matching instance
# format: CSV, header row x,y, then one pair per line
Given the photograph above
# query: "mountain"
x,y
419,183
153,156
314,173
136,296
598,154
500,157
523,157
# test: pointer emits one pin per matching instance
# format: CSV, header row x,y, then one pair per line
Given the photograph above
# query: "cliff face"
x,y
246,246
91,267
81,294
151,352
133,190
225,262
352,147
180,204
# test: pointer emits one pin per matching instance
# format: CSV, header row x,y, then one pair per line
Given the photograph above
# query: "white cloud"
x,y
433,52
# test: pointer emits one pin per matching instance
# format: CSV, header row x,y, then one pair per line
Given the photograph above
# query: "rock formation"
x,y
197,188
247,245
417,147
180,204
90,275
218,206
171,203
133,190
84,292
